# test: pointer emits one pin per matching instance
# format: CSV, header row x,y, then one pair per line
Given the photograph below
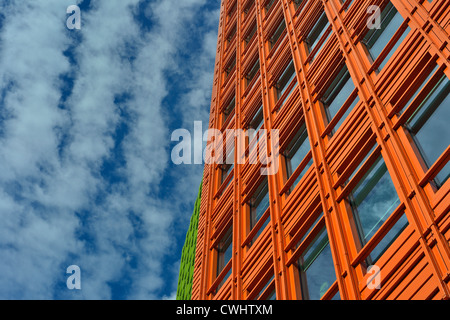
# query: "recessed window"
x,y
315,264
258,205
429,126
297,3
376,40
387,240
230,67
336,95
317,32
268,291
251,74
225,170
255,125
231,36
347,4
232,11
372,200
229,111
269,5
247,9
285,79
419,89
224,253
250,35
295,155
277,34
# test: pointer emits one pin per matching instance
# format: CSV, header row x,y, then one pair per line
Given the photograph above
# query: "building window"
x,y
346,4
229,111
387,240
246,10
224,254
376,40
297,3
225,170
372,200
255,125
429,127
230,36
336,95
258,205
251,74
295,155
315,264
232,11
250,35
277,34
285,79
269,5
230,67
317,32
268,291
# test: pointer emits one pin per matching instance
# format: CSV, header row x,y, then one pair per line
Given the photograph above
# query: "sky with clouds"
x,y
85,140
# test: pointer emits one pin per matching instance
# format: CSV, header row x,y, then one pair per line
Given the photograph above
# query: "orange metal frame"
x,y
417,264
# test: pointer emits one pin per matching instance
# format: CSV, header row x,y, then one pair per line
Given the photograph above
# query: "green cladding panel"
x,y
184,289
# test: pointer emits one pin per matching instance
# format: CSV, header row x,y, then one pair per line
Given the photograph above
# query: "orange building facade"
x,y
359,208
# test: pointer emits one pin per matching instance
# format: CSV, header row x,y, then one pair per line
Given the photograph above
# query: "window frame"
x,y
284,82
255,226
332,123
317,36
378,63
292,174
316,229
426,173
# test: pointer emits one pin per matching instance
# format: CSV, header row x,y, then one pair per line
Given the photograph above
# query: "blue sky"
x,y
85,124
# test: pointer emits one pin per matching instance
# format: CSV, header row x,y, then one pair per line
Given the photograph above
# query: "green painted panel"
x,y
184,289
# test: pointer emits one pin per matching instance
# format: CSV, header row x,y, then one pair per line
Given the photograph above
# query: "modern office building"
x,y
358,206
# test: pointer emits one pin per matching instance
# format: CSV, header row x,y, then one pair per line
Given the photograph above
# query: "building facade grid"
x,y
364,154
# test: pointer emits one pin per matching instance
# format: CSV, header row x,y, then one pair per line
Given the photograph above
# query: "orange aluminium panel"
x,y
350,101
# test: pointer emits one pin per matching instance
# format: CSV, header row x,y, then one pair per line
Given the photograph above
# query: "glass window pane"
x,y
345,115
317,268
225,278
271,295
377,39
259,204
251,74
295,154
299,150
419,89
224,251
362,162
373,200
262,207
285,79
395,231
229,110
429,126
273,40
317,32
338,92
